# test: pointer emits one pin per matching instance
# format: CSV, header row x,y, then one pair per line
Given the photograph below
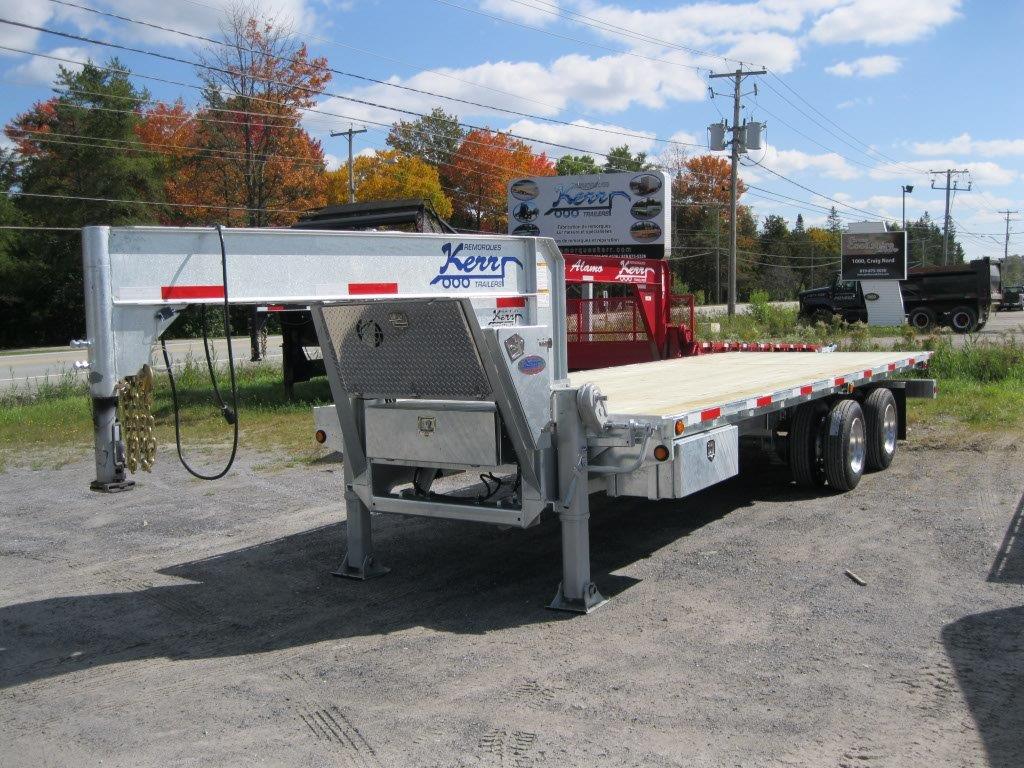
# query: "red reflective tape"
x,y
275,308
763,401
168,292
892,366
868,374
514,301
840,381
911,361
362,289
806,390
710,413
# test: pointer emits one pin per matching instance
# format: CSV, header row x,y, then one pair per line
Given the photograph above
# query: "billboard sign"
x,y
604,214
874,256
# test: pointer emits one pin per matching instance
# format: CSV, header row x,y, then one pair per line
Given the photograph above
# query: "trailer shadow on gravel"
x,y
450,576
987,653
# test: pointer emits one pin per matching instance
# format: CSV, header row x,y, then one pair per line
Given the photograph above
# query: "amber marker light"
x,y
661,453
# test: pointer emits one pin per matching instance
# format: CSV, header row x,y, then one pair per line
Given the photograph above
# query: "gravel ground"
x,y
191,624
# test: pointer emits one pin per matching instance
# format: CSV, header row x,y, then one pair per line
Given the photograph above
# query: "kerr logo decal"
x,y
473,265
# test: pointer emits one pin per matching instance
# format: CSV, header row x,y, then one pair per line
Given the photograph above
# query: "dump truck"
x,y
444,414
960,296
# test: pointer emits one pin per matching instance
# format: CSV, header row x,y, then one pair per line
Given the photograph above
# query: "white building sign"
x,y
606,214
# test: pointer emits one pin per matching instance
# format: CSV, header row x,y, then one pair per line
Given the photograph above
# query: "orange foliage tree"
x,y
480,171
243,157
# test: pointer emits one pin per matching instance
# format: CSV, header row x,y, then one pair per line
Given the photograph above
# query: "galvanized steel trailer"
x,y
447,355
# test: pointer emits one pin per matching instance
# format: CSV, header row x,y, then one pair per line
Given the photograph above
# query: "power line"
x,y
376,81
310,91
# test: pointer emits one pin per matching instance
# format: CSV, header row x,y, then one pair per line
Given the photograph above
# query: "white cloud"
x,y
883,22
579,134
200,19
767,49
39,71
611,83
869,66
983,174
859,101
510,9
965,145
790,161
34,13
331,162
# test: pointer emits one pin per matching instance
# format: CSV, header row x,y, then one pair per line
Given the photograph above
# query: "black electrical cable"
x,y
230,414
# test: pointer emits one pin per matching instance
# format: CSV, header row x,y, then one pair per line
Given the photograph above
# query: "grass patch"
x,y
765,321
59,414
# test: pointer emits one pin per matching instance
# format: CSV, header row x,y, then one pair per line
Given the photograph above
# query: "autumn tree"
x,y
78,144
701,193
245,148
576,165
390,175
480,171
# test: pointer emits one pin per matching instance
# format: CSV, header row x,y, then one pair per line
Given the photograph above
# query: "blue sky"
x,y
863,96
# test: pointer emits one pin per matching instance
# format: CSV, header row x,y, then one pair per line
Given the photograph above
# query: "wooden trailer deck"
x,y
670,388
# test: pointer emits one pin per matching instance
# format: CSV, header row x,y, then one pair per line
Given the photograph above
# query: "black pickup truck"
x,y
1013,298
960,296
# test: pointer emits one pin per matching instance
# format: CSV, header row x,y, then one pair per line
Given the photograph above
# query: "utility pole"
x,y
738,143
951,186
351,183
1006,240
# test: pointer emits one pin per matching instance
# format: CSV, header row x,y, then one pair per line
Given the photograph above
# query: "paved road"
x,y
27,370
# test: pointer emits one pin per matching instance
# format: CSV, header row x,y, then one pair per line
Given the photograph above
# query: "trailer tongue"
x,y
431,378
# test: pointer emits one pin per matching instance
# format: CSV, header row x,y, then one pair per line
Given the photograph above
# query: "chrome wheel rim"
x,y
889,429
857,446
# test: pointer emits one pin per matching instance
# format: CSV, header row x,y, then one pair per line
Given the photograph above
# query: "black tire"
x,y
881,427
844,445
806,445
921,318
963,319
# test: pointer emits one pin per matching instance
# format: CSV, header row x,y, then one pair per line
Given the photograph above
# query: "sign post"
x,y
605,214
877,259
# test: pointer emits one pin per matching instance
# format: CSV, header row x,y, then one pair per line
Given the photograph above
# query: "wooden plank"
x,y
671,387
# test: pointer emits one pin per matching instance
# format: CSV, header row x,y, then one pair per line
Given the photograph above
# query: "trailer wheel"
x,y
963,320
921,318
881,423
806,444
845,445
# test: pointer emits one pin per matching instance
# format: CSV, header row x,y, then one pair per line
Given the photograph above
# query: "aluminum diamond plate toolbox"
x,y
406,349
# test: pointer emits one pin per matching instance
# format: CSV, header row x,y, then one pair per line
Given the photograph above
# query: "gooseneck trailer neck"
x,y
447,356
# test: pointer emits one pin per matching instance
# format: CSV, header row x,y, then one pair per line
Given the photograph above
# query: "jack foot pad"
x,y
115,486
591,600
370,569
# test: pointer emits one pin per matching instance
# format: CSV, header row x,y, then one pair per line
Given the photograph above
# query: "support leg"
x,y
576,593
110,474
359,559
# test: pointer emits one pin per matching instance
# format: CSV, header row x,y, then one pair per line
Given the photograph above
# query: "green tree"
x,y
576,165
621,159
81,143
434,138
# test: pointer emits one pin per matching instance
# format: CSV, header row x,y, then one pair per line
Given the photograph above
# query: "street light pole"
x,y
907,189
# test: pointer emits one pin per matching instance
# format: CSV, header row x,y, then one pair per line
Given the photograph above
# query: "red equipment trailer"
x,y
622,310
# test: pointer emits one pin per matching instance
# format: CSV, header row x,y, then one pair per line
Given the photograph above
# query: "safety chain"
x,y
135,412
